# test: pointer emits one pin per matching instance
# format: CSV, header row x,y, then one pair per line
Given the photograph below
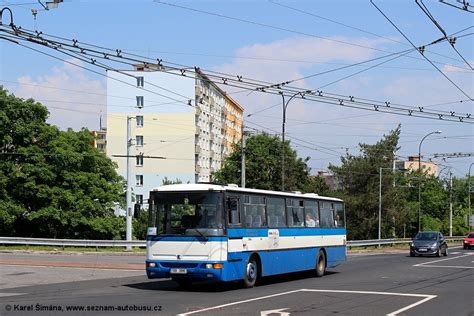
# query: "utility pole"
x,y
243,159
420,174
380,205
129,184
450,204
469,196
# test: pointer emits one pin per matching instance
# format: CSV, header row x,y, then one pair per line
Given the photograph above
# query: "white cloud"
x,y
73,99
347,127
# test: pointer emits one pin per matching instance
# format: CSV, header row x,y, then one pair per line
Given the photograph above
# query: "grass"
x,y
69,249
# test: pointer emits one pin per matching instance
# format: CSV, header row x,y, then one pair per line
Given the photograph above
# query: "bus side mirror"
x,y
137,211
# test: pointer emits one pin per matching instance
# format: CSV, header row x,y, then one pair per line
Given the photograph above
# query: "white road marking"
x,y
425,264
426,298
455,267
239,302
275,311
455,253
10,294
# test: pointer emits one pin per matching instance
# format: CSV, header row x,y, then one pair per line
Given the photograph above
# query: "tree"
x,y
360,179
53,183
263,156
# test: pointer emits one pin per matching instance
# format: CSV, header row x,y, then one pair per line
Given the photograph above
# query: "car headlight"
x,y
412,244
435,245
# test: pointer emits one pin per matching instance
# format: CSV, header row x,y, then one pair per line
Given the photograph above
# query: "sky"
x,y
273,41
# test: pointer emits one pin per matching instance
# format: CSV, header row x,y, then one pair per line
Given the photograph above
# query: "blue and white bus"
x,y
226,233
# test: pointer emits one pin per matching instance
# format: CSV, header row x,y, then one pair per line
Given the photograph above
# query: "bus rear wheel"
x,y
320,264
251,272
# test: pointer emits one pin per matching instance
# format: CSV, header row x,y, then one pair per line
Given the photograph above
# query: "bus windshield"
x,y
187,213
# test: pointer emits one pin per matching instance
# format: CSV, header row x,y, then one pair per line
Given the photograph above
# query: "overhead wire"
x,y
237,81
439,70
349,26
270,26
451,41
465,6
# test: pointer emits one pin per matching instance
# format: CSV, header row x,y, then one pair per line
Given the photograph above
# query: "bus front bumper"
x,y
184,270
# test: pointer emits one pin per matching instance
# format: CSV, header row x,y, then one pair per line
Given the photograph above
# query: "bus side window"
x,y
233,210
339,216
327,214
294,213
276,212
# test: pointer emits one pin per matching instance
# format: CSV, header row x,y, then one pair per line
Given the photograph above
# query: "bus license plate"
x,y
179,271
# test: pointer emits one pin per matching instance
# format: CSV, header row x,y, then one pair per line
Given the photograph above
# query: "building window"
x,y
139,120
140,160
139,102
139,198
140,82
139,139
139,179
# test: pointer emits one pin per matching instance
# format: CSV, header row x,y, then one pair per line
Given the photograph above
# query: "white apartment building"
x,y
181,127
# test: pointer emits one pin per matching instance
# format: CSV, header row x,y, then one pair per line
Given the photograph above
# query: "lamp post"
x,y
285,105
469,196
419,182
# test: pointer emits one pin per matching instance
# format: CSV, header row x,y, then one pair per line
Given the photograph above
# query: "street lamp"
x,y
419,182
285,105
469,196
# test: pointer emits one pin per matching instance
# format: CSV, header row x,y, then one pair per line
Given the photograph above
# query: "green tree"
x,y
263,156
53,183
360,176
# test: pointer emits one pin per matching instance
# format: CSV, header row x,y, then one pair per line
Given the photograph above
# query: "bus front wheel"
x,y
320,264
251,272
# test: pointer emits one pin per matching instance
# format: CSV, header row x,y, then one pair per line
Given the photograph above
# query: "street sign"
x,y
470,220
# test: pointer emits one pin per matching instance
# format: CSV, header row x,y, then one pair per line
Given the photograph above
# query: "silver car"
x,y
428,243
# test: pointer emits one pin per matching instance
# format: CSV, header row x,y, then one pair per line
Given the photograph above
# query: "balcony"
x,y
198,169
197,149
198,130
198,90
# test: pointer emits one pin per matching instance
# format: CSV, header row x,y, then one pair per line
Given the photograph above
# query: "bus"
x,y
227,233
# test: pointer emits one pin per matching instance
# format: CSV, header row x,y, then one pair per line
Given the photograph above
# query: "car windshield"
x,y
426,236
470,236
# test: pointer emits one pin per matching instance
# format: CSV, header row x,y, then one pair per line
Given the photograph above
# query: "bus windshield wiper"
x,y
200,233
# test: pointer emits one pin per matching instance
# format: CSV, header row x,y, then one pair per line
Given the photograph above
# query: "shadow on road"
x,y
203,286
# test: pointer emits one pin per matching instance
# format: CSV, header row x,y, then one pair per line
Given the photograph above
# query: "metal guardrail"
x,y
376,242
142,243
71,242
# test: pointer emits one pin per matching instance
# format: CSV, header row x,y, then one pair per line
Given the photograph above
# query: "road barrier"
x,y
142,243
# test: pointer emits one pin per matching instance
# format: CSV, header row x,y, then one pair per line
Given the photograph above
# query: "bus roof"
x,y
235,188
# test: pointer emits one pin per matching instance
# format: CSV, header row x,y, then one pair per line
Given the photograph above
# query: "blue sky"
x,y
263,50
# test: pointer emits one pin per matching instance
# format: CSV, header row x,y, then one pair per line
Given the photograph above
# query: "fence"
x,y
142,243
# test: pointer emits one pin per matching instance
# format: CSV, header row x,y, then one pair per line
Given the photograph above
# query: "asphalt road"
x,y
373,284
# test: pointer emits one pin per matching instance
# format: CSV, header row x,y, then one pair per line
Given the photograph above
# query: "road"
x,y
369,284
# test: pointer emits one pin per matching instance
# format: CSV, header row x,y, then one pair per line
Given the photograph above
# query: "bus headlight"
x,y
151,264
208,265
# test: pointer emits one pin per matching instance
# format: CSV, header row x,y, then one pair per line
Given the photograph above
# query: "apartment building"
x,y
100,140
182,127
413,163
